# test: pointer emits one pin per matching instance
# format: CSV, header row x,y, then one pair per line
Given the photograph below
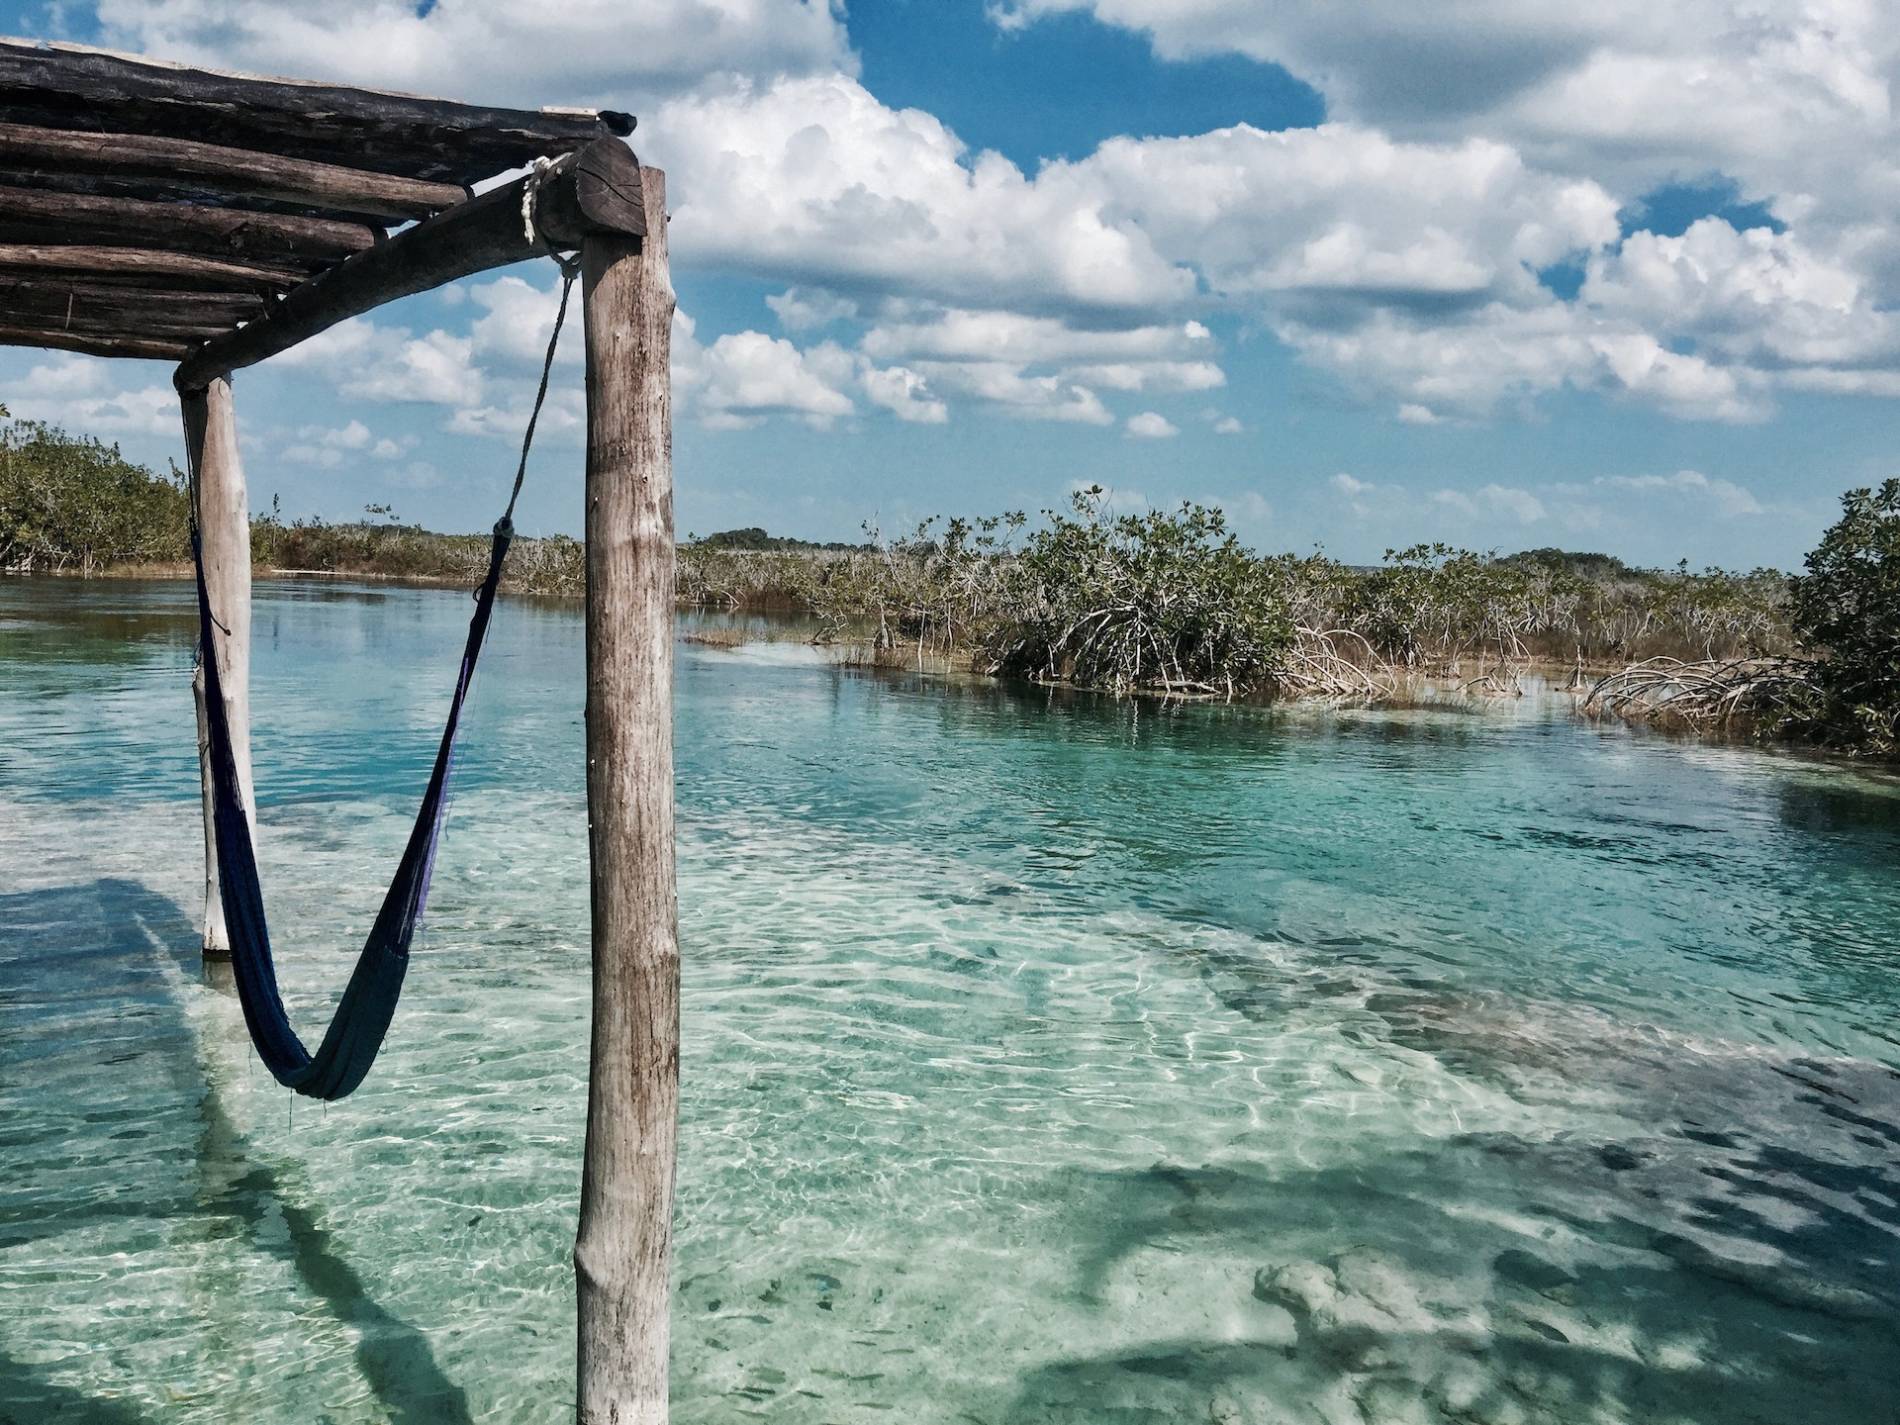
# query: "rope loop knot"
x,y
538,171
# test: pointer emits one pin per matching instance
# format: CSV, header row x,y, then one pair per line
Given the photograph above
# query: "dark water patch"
x,y
31,1395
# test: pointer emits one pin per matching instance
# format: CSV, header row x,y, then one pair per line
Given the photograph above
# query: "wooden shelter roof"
x,y
153,210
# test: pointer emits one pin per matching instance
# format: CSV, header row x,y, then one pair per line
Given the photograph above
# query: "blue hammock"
x,y
362,1018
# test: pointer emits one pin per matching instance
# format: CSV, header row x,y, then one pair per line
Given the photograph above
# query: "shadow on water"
x,y
238,1193
1865,806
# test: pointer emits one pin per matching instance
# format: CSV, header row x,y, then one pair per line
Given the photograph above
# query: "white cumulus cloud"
x,y
742,377
601,52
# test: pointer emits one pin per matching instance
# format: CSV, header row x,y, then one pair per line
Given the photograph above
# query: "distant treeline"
x,y
756,540
1164,601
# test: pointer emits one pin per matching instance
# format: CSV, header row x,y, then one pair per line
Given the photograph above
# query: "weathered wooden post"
x,y
224,524
623,1251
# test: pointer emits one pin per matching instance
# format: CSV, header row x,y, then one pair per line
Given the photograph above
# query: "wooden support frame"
x,y
224,528
143,205
623,1249
593,191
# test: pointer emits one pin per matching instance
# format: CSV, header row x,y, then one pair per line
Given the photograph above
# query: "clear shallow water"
x,y
1045,1059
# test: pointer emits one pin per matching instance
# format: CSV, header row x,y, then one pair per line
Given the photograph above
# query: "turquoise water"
x,y
1046,1059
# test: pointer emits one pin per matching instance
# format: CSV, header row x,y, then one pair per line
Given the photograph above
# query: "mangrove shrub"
x,y
1846,606
74,503
1166,600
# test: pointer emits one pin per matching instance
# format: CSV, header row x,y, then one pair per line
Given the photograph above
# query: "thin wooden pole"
x,y
224,523
623,1251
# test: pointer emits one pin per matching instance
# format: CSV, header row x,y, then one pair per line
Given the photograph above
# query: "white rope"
x,y
530,191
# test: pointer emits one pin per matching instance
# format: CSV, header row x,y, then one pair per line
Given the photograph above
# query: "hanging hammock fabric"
x,y
362,1016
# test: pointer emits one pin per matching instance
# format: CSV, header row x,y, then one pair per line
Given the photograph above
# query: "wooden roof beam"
x,y
36,217
74,87
592,191
188,328
167,167
141,267
131,312
93,344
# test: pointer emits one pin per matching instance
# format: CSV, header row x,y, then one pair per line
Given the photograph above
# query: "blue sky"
x,y
1619,280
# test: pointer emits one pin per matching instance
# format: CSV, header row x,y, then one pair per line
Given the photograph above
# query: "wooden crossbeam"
x,y
73,87
40,218
593,191
142,165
